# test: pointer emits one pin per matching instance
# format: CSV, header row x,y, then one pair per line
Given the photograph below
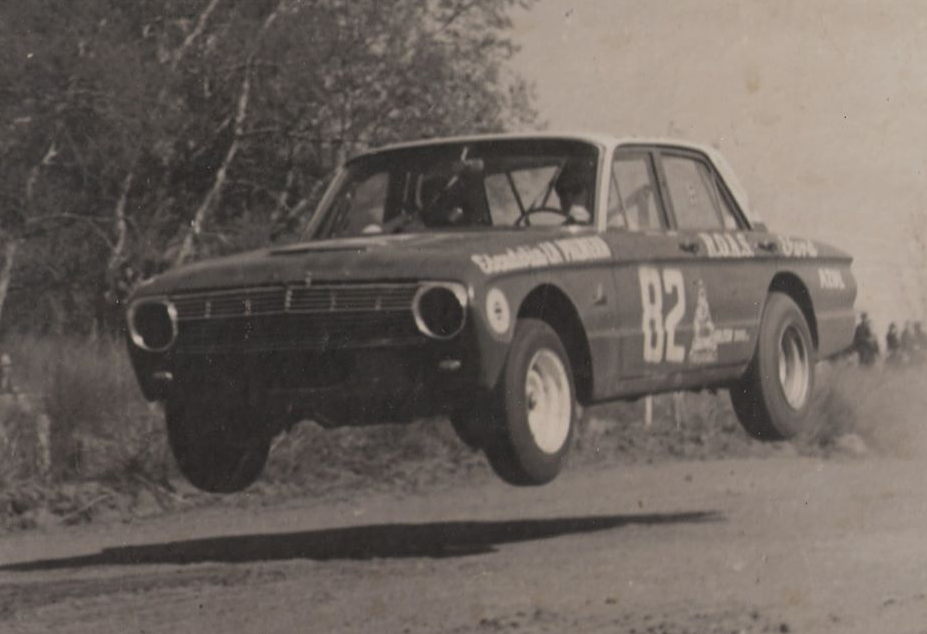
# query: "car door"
x,y
650,274
729,268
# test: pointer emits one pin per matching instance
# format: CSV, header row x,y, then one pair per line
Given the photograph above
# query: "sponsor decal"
x,y
706,337
664,291
831,279
797,247
497,311
704,345
544,254
726,245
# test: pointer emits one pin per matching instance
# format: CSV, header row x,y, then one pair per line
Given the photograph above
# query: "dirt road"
x,y
768,545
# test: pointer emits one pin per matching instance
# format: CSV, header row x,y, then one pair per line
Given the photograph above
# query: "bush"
x,y
100,423
109,452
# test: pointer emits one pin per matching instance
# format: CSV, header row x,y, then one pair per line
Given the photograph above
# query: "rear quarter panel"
x,y
826,272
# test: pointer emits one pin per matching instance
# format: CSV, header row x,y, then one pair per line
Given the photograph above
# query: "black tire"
x,y
773,397
219,446
466,424
521,452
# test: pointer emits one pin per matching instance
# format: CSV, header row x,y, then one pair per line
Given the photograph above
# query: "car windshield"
x,y
476,185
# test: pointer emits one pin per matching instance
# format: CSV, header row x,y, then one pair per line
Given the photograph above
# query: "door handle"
x,y
689,246
767,245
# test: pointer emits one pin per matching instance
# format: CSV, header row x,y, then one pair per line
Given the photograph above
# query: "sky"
x,y
819,105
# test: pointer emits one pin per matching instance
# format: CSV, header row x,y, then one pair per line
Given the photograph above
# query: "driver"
x,y
574,186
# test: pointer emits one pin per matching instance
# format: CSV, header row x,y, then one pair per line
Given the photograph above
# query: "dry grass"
x,y
100,424
109,451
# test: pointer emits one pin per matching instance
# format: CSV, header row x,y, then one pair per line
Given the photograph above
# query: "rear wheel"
x,y
773,397
532,412
220,446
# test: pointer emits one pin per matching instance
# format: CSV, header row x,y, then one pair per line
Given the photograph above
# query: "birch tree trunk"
x,y
241,113
121,231
215,192
8,249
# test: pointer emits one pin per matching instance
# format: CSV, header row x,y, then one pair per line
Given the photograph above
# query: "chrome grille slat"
x,y
323,315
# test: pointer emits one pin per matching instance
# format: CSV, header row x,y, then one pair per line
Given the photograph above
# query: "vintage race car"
x,y
502,281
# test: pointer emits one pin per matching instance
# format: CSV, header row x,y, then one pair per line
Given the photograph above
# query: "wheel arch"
x,y
790,284
553,306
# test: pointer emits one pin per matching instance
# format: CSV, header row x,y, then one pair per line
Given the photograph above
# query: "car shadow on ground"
x,y
386,541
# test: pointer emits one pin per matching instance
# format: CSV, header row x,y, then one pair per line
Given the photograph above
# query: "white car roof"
x,y
605,141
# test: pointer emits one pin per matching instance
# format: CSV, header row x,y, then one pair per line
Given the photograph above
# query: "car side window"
x,y
503,206
693,192
366,206
632,202
727,213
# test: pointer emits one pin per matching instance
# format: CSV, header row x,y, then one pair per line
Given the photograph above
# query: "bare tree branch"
x,y
460,11
194,34
241,112
36,171
89,221
215,192
121,227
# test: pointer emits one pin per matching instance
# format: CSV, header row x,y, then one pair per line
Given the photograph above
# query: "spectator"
x,y
865,343
892,344
6,375
920,342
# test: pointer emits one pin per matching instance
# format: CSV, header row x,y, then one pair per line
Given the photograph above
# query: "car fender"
x,y
826,276
498,303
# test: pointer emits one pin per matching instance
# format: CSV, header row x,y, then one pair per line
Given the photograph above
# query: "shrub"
x,y
100,423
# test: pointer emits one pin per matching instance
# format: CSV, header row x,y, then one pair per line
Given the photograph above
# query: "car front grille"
x,y
321,316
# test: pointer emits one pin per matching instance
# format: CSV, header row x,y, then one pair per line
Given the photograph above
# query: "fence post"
x,y
23,402
679,408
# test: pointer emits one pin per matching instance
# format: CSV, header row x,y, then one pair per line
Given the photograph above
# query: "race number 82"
x,y
659,330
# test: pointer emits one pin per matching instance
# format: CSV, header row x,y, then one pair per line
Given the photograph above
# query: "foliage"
x,y
99,421
137,136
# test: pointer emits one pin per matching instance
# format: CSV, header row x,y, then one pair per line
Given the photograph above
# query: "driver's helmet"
x,y
442,199
577,178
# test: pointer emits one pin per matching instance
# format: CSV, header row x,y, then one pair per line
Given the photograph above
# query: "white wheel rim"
x,y
794,367
548,401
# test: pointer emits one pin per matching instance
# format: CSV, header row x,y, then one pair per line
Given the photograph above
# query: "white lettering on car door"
x,y
652,313
672,280
659,332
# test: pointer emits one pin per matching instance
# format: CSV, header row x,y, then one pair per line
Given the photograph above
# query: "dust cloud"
x,y
884,407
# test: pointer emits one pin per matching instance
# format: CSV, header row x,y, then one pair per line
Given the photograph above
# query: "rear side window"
x,y
693,192
727,213
632,202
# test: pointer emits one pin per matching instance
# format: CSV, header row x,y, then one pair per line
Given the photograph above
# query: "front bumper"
x,y
340,353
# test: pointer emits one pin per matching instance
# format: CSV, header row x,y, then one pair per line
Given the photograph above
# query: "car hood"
x,y
438,256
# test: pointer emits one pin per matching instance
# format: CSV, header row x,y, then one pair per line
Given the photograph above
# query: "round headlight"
x,y
440,310
153,325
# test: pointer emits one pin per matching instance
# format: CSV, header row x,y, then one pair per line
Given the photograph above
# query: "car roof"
x,y
605,141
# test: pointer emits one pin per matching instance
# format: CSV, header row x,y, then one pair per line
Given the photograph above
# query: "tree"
x,y
138,136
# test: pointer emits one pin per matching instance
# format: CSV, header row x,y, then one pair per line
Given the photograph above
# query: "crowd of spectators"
x,y
903,346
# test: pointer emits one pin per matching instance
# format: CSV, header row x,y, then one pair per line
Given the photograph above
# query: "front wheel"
x,y
532,411
217,445
773,397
